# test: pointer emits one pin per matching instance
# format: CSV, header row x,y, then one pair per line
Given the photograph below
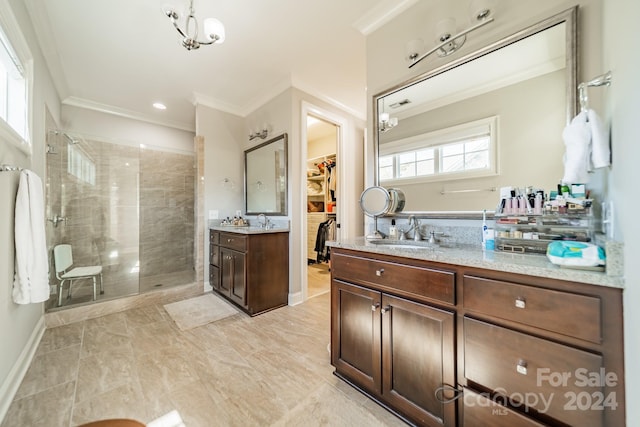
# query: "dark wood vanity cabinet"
x,y
397,349
508,349
549,350
251,270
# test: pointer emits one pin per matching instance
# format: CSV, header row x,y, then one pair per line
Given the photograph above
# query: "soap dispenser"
x,y
393,231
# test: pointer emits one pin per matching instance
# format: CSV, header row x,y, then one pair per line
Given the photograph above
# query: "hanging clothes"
x,y
326,231
333,178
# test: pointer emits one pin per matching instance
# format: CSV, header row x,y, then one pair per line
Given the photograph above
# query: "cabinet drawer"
x,y
214,237
419,282
566,313
233,241
480,411
533,373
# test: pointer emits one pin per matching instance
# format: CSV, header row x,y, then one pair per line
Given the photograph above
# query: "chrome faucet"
x,y
415,227
263,220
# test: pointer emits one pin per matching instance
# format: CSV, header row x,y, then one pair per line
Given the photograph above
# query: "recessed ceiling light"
x,y
159,106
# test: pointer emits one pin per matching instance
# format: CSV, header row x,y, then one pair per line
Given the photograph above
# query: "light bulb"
x,y
213,28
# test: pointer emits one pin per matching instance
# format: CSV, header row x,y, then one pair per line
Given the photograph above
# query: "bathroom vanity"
x,y
458,336
250,266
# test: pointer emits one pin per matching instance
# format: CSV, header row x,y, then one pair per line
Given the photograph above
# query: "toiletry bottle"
x,y
537,204
489,239
484,227
393,231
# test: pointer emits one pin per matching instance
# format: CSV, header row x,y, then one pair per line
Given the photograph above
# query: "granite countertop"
x,y
474,256
248,229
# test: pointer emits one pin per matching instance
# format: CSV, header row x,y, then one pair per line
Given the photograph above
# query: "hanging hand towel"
x,y
600,152
577,140
31,282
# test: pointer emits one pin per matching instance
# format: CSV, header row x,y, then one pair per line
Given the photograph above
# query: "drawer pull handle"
x,y
385,309
521,367
379,272
229,240
521,302
375,306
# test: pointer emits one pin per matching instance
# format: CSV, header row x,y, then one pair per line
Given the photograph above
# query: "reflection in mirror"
x,y
265,177
493,118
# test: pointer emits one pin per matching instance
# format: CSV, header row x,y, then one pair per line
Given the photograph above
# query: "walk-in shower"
x,y
128,208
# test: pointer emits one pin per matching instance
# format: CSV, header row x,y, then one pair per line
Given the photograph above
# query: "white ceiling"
x,y
122,55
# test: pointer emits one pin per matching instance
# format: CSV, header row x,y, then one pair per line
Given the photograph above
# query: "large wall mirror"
x,y
450,138
265,177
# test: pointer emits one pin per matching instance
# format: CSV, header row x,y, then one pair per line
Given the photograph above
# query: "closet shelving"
x,y
318,185
319,199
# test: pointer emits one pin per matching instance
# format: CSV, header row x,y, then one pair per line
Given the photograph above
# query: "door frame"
x,y
341,124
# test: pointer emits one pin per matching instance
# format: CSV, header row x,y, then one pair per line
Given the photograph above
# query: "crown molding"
x,y
121,112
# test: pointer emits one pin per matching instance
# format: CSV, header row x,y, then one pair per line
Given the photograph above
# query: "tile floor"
x,y
318,279
272,369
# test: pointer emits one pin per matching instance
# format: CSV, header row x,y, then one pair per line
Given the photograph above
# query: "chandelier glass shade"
x,y
189,28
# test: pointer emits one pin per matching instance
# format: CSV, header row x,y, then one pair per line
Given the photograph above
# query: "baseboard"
x,y
19,370
207,287
296,298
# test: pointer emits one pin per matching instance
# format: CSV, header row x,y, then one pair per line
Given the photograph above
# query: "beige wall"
x,y
21,325
623,107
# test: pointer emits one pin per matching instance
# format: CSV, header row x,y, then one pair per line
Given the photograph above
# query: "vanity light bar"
x,y
446,42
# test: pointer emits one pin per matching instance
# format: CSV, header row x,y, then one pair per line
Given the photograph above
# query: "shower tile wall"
x,y
167,191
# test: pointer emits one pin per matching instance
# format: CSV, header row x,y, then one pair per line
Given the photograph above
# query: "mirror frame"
x,y
569,17
283,212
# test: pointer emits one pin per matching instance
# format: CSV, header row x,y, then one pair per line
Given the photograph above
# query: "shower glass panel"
x,y
126,208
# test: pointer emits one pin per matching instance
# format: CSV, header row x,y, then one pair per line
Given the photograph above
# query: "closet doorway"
x,y
321,201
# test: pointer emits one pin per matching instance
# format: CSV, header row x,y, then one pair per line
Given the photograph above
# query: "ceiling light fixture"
x,y
212,28
448,41
387,123
159,106
262,134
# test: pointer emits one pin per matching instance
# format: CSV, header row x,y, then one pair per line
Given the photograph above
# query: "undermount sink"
x,y
404,244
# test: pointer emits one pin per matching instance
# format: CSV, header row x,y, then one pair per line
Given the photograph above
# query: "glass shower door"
x,y
92,204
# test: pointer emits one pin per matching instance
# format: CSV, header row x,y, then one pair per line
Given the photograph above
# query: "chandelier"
x,y
212,28
387,123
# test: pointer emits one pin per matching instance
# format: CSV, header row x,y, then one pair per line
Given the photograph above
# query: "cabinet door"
x,y
226,271
355,336
418,359
237,278
214,277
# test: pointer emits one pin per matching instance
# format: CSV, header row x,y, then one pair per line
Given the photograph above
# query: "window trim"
x,y
440,138
20,47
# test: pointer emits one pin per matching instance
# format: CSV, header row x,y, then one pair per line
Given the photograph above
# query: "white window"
x,y
80,165
464,151
15,72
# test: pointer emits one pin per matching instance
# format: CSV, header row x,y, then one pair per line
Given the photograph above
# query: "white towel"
x,y
577,140
31,282
587,147
600,152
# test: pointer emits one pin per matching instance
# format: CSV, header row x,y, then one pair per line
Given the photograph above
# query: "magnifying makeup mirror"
x,y
376,201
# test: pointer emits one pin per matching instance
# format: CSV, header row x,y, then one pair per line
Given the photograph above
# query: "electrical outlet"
x,y
214,214
53,289
238,212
